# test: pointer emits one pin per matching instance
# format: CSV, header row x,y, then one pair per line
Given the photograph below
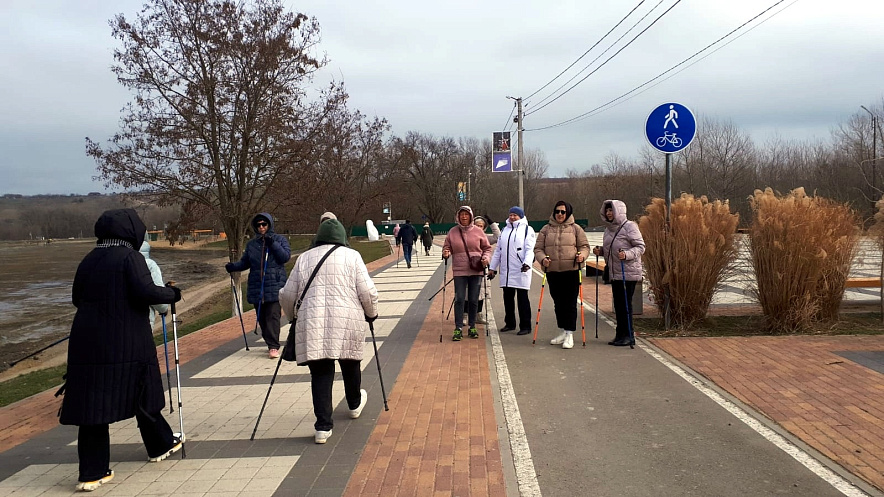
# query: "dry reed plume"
x,y
692,258
801,250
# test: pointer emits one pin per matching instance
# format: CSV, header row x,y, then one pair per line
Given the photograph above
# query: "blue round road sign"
x,y
670,127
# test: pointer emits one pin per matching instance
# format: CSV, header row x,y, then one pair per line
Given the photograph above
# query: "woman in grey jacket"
x,y
622,242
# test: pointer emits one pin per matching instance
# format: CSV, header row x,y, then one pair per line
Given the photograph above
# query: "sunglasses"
x,y
557,211
262,223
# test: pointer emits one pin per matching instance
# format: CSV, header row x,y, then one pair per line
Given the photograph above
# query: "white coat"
x,y
514,248
331,320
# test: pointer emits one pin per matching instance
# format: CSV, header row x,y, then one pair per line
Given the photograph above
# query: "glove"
x,y
369,319
525,268
491,275
228,267
268,241
176,290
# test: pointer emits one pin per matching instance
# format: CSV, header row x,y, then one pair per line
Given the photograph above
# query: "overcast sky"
x,y
446,68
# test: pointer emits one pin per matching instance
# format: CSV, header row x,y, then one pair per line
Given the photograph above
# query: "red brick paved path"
x,y
440,435
831,403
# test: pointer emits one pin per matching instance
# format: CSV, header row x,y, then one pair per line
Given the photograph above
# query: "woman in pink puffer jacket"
x,y
463,241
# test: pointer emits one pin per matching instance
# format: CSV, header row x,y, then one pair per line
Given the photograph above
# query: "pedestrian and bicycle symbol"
x,y
670,127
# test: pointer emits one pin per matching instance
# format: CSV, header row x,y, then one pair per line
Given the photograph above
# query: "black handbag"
x,y
288,352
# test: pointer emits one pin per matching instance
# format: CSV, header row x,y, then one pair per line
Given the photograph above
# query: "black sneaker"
x,y
458,335
473,332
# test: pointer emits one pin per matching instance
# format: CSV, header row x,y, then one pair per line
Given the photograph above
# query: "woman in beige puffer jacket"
x,y
561,249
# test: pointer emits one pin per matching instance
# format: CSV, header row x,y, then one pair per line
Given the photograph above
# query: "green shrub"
x,y
692,258
801,250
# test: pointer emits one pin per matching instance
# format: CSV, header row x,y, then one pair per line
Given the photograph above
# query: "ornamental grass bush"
x,y
801,248
700,247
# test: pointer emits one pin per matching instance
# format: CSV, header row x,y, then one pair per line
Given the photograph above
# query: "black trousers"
x,y
564,286
322,377
269,322
624,315
509,297
93,444
466,299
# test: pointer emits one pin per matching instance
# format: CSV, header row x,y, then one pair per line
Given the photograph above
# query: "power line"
x,y
586,52
630,92
509,120
608,59
587,66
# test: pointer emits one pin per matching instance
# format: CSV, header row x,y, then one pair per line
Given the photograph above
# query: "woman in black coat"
x,y
112,370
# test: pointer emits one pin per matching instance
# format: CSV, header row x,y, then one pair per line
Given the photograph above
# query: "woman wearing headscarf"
x,y
561,248
265,257
513,258
331,321
622,242
463,243
112,369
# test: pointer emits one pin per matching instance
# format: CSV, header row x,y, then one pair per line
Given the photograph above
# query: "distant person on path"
x,y
513,258
325,333
622,242
396,233
157,277
471,253
112,369
408,237
427,238
265,257
561,248
481,222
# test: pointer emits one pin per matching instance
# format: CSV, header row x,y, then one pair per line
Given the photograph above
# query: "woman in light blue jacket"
x,y
157,277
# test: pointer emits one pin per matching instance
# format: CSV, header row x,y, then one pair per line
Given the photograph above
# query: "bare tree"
x,y
221,107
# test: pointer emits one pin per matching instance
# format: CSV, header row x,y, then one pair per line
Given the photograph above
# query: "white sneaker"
x,y
321,436
569,341
88,486
354,413
559,339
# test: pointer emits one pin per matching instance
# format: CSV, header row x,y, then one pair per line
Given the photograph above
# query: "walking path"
x,y
454,426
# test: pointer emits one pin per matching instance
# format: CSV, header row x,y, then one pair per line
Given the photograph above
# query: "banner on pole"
x,y
501,155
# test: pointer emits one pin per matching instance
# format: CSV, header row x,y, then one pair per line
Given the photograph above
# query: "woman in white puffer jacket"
x,y
331,320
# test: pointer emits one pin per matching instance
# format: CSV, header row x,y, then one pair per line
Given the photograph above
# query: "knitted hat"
x,y
331,232
518,211
326,216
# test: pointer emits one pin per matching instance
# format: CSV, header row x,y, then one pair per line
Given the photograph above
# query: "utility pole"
x,y
874,154
521,156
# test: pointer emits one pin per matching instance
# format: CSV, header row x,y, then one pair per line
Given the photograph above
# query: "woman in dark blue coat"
x,y
265,257
112,370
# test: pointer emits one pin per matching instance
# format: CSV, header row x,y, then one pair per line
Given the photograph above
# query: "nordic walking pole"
x,y
539,306
445,275
582,314
397,254
168,375
450,307
238,311
272,380
263,273
485,282
439,290
597,297
32,354
177,374
626,300
417,256
378,362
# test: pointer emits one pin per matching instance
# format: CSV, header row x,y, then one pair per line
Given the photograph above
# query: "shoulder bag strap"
x,y
313,275
464,240
612,241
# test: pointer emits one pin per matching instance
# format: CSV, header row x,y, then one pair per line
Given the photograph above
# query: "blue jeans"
x,y
466,287
406,252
